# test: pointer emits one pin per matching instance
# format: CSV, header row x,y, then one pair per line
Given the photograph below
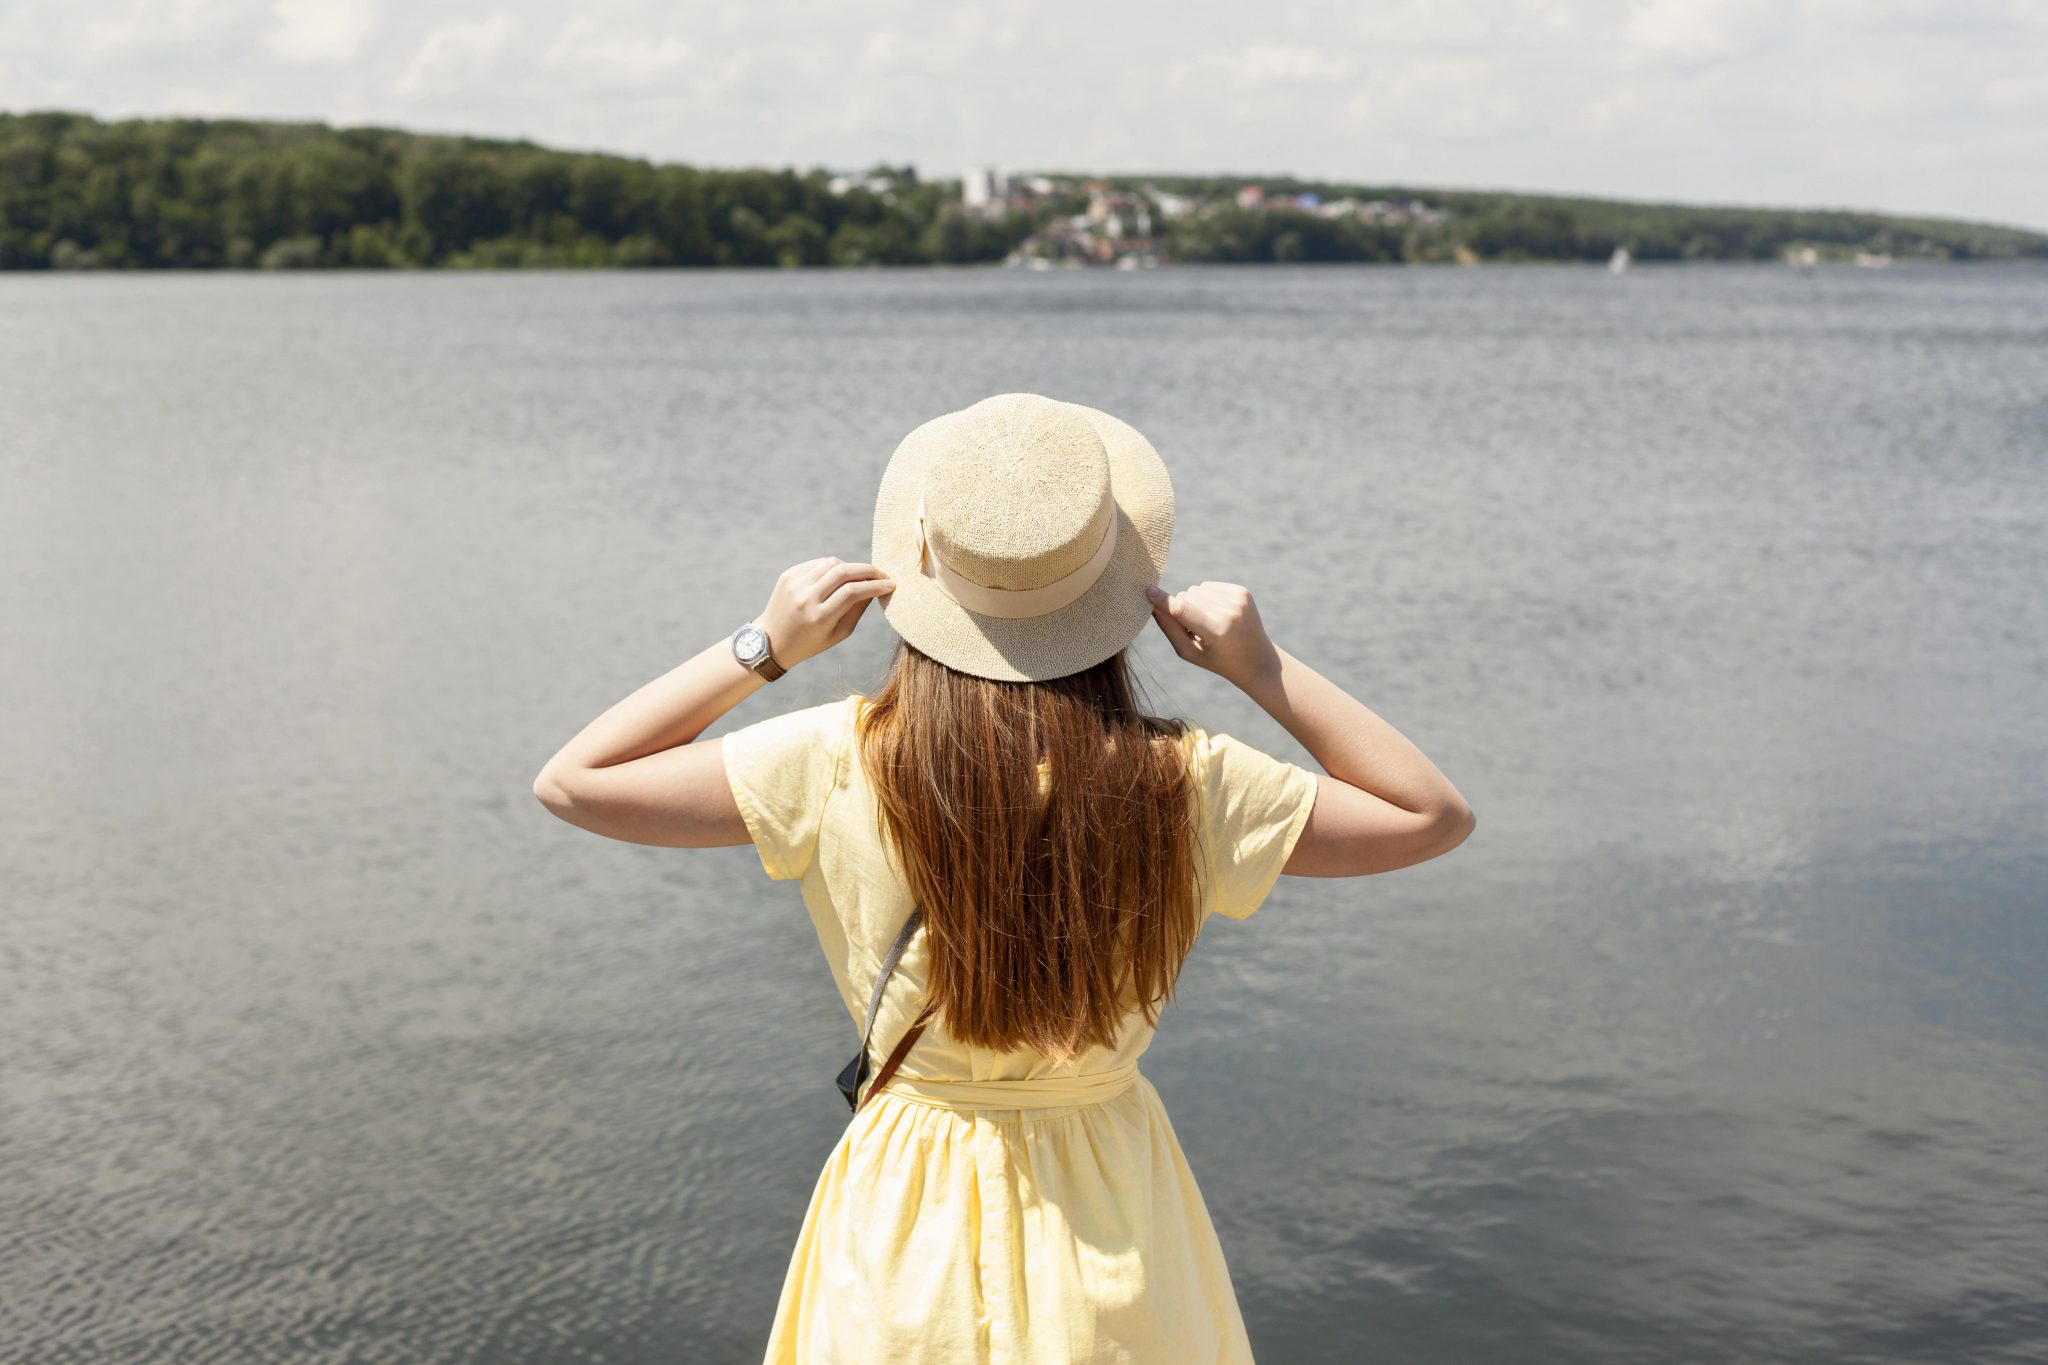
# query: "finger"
x,y
839,573
1194,611
797,573
850,620
807,582
861,590
1163,608
1171,629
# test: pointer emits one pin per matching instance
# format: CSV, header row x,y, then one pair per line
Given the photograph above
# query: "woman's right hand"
x,y
1216,626
816,604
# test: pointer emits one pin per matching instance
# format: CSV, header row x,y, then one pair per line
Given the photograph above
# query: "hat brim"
x,y
1098,623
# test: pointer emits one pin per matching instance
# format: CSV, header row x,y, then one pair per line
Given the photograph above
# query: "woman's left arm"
x,y
639,774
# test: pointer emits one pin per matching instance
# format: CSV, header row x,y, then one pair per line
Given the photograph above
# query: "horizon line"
x,y
1244,178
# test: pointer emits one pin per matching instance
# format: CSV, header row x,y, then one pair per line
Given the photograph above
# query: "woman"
x,y
1009,1189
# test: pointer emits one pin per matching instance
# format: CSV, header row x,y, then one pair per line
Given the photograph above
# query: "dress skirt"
x,y
1064,1226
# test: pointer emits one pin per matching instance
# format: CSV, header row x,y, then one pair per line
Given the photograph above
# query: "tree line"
x,y
1480,226
200,193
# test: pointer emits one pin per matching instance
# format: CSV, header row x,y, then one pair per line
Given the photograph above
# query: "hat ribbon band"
x,y
1015,603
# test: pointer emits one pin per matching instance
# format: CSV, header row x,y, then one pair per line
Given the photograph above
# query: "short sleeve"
x,y
1254,809
782,770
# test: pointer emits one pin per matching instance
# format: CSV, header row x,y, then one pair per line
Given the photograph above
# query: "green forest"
x,y
194,193
77,192
1490,226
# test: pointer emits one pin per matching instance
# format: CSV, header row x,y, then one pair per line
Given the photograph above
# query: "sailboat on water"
x,y
1618,262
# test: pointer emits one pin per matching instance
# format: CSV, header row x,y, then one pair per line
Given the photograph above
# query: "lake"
x,y
1721,592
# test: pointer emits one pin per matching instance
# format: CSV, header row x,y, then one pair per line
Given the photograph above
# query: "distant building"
x,y
873,184
1250,197
985,190
1115,213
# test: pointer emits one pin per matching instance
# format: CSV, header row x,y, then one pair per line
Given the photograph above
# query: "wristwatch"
x,y
750,647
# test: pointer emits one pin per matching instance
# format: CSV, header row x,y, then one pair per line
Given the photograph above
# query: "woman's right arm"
x,y
1383,804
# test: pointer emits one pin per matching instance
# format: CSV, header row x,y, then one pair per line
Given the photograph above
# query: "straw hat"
x,y
1022,533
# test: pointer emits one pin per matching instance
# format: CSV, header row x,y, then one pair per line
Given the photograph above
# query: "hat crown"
x,y
1019,496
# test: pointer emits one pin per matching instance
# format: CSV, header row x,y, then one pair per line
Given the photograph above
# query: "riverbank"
x,y
204,194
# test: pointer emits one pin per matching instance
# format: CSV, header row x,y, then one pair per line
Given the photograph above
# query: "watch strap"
x,y
765,665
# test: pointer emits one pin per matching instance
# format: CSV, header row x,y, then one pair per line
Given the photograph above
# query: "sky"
x,y
1935,107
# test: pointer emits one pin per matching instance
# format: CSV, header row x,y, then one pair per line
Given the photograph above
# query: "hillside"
x,y
76,192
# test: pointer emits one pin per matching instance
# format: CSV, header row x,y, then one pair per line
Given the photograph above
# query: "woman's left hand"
x,y
816,604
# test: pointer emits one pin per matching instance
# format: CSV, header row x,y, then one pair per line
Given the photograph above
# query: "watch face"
x,y
750,644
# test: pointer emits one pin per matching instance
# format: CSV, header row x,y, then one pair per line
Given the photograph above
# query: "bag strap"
x,y
888,969
856,1071
895,1058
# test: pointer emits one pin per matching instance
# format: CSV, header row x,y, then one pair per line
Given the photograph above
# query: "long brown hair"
x,y
1050,916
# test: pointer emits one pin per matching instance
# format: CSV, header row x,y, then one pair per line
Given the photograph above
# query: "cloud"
x,y
2017,92
147,23
628,58
1927,106
1691,28
1274,64
314,31
1455,99
883,47
453,54
1615,108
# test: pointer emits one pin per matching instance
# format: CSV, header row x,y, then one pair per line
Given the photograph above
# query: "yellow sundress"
x,y
991,1207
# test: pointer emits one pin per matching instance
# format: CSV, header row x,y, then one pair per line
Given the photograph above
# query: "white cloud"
x,y
144,23
1690,28
1921,106
312,31
2017,92
1551,14
453,54
616,58
883,47
1849,87
1616,107
1447,98
1261,64
1273,63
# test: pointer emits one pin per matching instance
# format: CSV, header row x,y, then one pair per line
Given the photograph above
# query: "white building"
x,y
873,184
1171,205
984,190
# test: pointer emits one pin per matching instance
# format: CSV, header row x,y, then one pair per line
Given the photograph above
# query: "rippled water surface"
x,y
1721,592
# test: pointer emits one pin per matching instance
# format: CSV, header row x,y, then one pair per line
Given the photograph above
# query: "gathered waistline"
x,y
1033,1092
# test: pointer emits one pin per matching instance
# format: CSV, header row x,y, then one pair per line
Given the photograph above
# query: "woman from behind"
x,y
1007,861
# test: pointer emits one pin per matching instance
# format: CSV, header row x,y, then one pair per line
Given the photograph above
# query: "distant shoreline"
x,y
235,194
1843,268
